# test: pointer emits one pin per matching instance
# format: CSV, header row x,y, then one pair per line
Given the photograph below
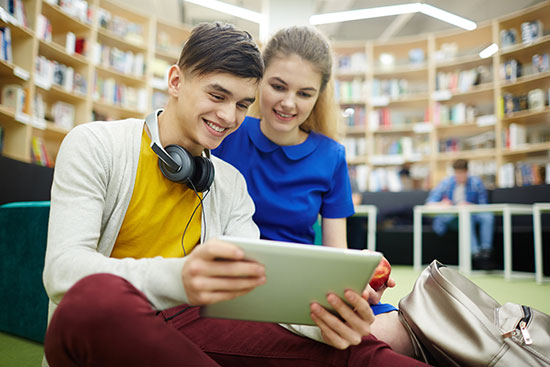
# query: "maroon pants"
x,y
105,321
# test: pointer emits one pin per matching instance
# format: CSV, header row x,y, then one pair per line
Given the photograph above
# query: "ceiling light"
x,y
236,11
445,16
384,11
489,51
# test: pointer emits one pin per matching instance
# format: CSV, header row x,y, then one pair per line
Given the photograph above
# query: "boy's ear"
x,y
175,78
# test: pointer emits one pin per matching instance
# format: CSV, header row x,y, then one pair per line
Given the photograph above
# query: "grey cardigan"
x,y
93,183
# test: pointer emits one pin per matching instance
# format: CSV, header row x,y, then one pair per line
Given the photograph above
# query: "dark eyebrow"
x,y
285,83
221,89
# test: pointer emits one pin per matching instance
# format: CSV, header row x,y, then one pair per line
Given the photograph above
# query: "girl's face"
x,y
288,92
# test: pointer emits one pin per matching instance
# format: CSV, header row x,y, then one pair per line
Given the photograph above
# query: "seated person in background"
x,y
132,252
294,169
464,189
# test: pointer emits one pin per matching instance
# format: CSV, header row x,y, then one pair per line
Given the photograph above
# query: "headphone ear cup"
x,y
185,162
203,175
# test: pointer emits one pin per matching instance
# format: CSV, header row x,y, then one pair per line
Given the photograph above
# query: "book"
x,y
13,96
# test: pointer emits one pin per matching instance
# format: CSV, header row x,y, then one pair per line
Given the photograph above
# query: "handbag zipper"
x,y
523,325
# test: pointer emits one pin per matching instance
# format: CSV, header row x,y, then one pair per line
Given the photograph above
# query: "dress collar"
x,y
294,152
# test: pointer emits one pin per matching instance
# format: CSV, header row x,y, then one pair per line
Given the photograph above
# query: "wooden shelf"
x,y
475,154
58,92
402,71
520,47
525,79
527,115
54,51
120,111
527,149
464,62
354,130
129,79
62,21
111,39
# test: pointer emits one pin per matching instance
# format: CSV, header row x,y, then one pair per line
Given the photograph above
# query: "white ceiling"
x,y
477,11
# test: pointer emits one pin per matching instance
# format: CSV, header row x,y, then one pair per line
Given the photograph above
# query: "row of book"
x,y
394,118
405,146
524,173
354,116
396,178
351,63
39,154
463,81
397,88
353,91
355,147
78,9
534,100
14,12
485,140
43,28
125,62
129,31
6,53
112,92
50,72
519,136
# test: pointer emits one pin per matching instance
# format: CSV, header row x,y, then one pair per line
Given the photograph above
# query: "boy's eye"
x,y
217,96
243,106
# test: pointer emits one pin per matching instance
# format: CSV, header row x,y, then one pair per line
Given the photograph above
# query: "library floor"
x,y
18,352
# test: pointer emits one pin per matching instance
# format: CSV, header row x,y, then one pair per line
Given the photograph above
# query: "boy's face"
x,y
461,176
209,107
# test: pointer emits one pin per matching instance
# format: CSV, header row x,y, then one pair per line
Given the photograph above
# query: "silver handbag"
x,y
453,322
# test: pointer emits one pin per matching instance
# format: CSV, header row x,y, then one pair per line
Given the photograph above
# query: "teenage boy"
x,y
464,189
132,199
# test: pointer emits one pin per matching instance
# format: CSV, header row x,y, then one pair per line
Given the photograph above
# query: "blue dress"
x,y
291,185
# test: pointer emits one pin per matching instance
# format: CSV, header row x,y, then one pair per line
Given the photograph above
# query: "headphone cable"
x,y
192,215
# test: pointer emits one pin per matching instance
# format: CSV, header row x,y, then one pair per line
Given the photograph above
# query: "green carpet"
x,y
19,352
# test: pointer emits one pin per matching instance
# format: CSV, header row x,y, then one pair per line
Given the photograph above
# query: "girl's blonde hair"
x,y
310,45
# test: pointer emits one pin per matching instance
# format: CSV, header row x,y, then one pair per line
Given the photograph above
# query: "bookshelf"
x,y
431,99
72,62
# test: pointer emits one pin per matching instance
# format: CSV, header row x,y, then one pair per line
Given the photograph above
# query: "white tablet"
x,y
296,275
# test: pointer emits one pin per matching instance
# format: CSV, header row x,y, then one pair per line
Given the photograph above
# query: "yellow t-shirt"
x,y
158,213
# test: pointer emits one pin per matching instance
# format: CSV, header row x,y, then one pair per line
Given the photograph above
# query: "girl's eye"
x,y
304,94
277,87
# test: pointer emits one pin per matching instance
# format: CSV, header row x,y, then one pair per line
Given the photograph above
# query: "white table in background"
x,y
369,211
538,209
464,224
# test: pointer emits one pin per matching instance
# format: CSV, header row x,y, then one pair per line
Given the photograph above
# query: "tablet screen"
x,y
296,275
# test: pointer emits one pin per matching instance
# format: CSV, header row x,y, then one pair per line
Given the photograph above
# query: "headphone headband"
x,y
152,124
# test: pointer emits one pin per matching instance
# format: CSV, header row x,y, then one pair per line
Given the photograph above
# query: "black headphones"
x,y
177,164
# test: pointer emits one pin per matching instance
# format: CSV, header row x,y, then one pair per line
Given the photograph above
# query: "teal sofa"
x,y
24,303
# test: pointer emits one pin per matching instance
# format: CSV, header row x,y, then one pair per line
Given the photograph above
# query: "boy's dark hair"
x,y
461,165
216,47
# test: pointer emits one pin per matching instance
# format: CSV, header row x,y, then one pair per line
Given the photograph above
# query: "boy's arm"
x,y
82,177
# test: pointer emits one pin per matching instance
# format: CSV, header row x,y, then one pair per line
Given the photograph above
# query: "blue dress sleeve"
x,y
337,202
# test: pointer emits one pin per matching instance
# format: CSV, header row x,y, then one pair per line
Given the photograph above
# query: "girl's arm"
x,y
334,232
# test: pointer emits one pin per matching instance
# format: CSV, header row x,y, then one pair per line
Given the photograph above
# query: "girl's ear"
x,y
175,78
